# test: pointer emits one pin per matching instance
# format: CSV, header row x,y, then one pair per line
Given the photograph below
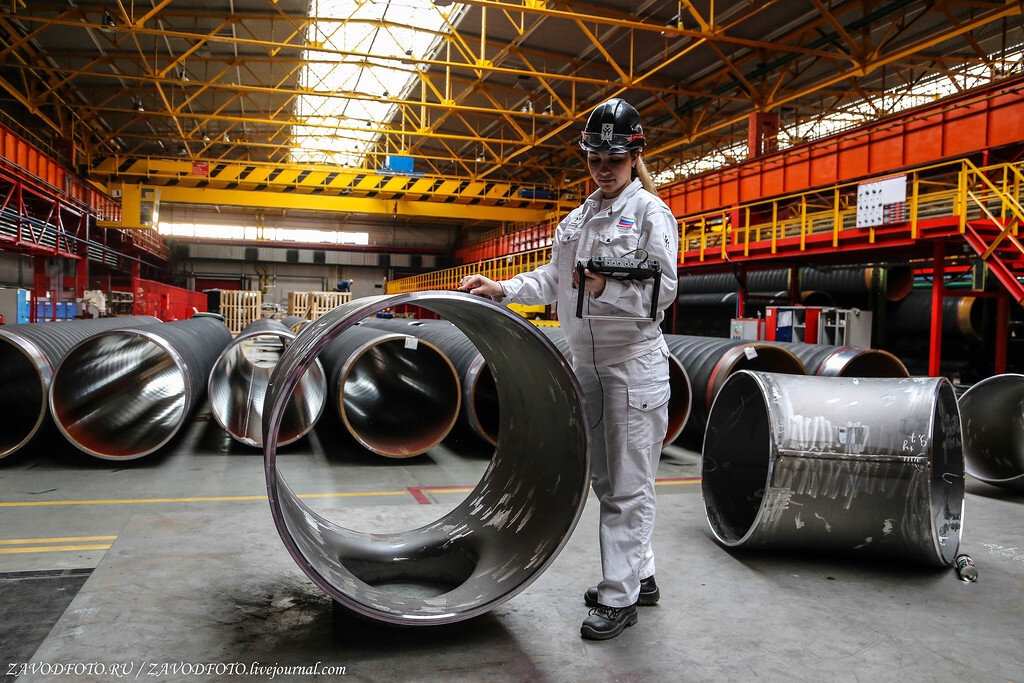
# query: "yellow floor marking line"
x,y
66,539
51,548
213,499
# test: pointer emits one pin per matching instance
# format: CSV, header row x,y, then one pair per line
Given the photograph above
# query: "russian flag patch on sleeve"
x,y
626,222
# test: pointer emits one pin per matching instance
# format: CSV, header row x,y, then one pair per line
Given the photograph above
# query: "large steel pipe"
x,y
479,411
860,466
680,396
846,361
295,323
28,356
961,316
509,528
398,396
239,379
709,362
122,394
993,419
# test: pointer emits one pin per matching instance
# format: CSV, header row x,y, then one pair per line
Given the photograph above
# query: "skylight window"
x,y
343,124
860,112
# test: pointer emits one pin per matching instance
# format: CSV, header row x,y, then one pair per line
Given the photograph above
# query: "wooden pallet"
x,y
298,303
321,302
239,308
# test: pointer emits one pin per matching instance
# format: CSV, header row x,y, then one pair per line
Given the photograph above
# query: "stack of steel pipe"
x,y
29,354
124,393
844,465
397,395
295,323
846,361
510,527
479,412
842,283
709,362
993,423
681,393
239,379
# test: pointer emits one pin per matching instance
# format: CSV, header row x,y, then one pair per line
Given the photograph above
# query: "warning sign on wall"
x,y
882,201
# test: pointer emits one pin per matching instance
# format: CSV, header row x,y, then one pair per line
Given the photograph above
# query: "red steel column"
x,y
938,273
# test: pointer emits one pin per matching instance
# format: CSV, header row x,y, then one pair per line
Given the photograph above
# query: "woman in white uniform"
x,y
622,365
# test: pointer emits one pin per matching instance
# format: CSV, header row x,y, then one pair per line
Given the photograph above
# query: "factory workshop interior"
x,y
306,371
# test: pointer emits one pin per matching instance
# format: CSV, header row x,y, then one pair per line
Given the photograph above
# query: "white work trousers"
x,y
627,406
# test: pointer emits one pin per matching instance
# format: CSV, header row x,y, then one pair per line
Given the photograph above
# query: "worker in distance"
x,y
619,357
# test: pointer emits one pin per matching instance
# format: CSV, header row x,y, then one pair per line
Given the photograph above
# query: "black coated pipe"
x,y
855,466
680,396
505,533
709,362
846,361
295,323
840,282
993,422
239,379
480,410
29,354
124,393
398,396
961,316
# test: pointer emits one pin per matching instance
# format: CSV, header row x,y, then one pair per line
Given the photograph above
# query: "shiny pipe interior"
x,y
120,395
397,399
512,524
993,420
238,386
24,374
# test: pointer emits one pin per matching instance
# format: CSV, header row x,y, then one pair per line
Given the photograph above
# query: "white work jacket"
x,y
636,219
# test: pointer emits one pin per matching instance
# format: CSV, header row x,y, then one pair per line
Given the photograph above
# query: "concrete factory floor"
x,y
196,573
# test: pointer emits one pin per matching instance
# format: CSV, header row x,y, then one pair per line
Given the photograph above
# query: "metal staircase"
x,y
995,238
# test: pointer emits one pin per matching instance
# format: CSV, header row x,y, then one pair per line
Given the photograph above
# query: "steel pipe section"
x,y
680,391
397,396
855,466
239,379
709,362
29,354
295,323
961,315
846,361
993,419
124,393
509,528
479,411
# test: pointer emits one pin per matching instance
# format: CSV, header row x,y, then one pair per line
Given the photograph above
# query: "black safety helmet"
x,y
613,127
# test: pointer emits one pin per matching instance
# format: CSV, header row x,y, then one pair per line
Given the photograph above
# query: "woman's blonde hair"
x,y
644,175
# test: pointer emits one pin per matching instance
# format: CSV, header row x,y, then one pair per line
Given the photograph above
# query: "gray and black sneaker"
x,y
649,594
607,622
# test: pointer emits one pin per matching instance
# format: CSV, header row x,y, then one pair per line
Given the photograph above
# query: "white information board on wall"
x,y
882,201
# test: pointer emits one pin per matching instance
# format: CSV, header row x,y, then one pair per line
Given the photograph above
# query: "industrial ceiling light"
x,y
108,19
442,3
480,156
137,104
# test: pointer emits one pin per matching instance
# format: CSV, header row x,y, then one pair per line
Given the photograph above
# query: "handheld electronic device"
x,y
619,268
